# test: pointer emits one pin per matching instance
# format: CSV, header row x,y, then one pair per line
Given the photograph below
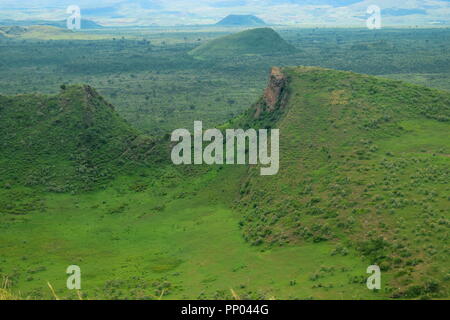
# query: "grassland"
x,y
365,161
363,180
131,247
371,190
148,75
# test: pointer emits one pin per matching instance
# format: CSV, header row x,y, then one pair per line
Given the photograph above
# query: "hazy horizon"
x,y
188,12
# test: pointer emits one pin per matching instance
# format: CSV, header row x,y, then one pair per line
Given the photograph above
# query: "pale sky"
x,y
185,12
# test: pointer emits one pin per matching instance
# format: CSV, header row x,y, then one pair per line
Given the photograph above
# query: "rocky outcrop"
x,y
277,82
274,94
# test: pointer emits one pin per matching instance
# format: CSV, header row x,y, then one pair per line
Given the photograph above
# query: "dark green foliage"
x,y
71,141
363,180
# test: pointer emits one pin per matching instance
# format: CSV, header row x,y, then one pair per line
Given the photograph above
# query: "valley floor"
x,y
128,246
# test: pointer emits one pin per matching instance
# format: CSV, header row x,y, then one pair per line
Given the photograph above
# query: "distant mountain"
x,y
241,20
263,41
85,24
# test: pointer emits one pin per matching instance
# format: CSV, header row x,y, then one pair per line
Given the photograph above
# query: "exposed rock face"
x,y
277,82
274,95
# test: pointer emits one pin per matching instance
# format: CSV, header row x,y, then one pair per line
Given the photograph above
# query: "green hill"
x,y
363,180
69,141
260,41
241,20
364,163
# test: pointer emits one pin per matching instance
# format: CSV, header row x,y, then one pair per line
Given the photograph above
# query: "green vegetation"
x,y
364,162
17,32
66,142
363,173
148,75
261,41
130,248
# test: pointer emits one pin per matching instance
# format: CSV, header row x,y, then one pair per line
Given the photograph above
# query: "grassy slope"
x,y
174,231
364,161
129,245
158,229
64,142
264,41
